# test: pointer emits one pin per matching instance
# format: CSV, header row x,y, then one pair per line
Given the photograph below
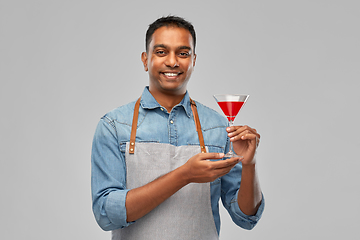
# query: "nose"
x,y
172,61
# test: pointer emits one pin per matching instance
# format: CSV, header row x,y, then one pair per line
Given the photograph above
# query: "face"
x,y
170,60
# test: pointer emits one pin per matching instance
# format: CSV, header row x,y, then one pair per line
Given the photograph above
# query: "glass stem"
x,y
231,123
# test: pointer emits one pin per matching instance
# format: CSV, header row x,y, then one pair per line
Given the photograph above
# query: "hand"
x,y
200,170
245,141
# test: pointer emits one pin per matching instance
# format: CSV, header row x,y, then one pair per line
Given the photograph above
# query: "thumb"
x,y
213,155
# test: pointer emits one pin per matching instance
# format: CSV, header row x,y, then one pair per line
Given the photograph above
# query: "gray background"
x,y
63,64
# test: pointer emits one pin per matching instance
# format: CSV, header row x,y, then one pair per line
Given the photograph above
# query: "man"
x,y
157,167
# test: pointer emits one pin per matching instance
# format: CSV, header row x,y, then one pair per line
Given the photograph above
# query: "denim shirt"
x,y
155,124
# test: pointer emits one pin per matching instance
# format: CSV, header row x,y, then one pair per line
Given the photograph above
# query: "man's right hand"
x,y
199,168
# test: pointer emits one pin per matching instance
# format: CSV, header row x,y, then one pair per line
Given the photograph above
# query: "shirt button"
x,y
171,121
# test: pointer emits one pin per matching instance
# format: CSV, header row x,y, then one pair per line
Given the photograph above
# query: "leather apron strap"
x,y
134,127
198,125
135,120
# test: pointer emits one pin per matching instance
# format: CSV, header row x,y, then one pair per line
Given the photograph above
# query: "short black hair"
x,y
168,21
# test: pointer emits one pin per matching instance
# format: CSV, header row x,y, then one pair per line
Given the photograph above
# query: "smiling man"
x,y
151,174
170,60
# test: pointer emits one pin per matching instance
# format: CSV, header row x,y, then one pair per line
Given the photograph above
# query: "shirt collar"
x,y
149,102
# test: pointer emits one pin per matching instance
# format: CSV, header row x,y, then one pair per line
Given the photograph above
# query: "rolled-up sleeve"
x,y
108,178
243,220
229,191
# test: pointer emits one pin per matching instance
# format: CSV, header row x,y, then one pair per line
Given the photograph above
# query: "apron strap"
x,y
135,119
198,125
134,126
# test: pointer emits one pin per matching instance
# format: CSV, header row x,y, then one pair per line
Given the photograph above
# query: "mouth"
x,y
171,74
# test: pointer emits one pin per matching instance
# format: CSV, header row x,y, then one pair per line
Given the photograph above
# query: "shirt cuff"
x,y
246,221
115,208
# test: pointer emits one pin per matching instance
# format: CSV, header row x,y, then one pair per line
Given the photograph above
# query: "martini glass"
x,y
231,104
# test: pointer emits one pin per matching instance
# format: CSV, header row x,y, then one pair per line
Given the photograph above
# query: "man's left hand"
x,y
245,141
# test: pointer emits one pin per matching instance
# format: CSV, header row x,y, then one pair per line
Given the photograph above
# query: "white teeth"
x,y
170,74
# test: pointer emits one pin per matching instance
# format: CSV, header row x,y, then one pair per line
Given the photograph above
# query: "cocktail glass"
x,y
231,104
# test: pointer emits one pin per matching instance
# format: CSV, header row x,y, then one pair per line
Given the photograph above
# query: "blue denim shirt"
x,y
155,124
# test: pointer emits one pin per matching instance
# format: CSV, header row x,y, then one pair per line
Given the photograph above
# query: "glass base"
x,y
232,155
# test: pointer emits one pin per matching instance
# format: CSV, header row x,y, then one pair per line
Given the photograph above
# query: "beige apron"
x,y
186,215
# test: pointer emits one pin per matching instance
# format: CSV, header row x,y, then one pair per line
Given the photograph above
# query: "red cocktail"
x,y
231,109
231,104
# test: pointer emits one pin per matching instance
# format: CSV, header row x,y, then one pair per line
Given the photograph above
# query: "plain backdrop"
x,y
64,64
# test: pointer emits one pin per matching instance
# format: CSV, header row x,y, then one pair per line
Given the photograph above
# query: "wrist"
x,y
182,175
249,165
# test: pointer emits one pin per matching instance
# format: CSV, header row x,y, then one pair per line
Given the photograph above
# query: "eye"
x,y
160,52
184,54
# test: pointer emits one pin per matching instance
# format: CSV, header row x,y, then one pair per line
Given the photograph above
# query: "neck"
x,y
167,100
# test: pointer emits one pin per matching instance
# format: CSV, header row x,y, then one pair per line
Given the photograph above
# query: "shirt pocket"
x,y
216,148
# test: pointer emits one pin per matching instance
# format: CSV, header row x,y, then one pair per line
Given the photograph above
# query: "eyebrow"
x,y
164,46
185,47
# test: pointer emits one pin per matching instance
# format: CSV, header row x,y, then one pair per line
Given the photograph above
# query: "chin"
x,y
174,88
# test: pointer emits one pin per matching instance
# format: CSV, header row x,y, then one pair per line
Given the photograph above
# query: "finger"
x,y
250,136
236,130
219,172
246,135
247,130
227,163
212,155
232,128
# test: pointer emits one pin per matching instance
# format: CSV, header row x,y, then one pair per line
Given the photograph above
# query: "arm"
x,y
245,141
108,184
249,196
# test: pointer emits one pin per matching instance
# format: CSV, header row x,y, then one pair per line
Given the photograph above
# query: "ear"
x,y
144,59
194,60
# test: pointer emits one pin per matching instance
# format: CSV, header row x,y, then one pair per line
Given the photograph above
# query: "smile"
x,y
171,74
